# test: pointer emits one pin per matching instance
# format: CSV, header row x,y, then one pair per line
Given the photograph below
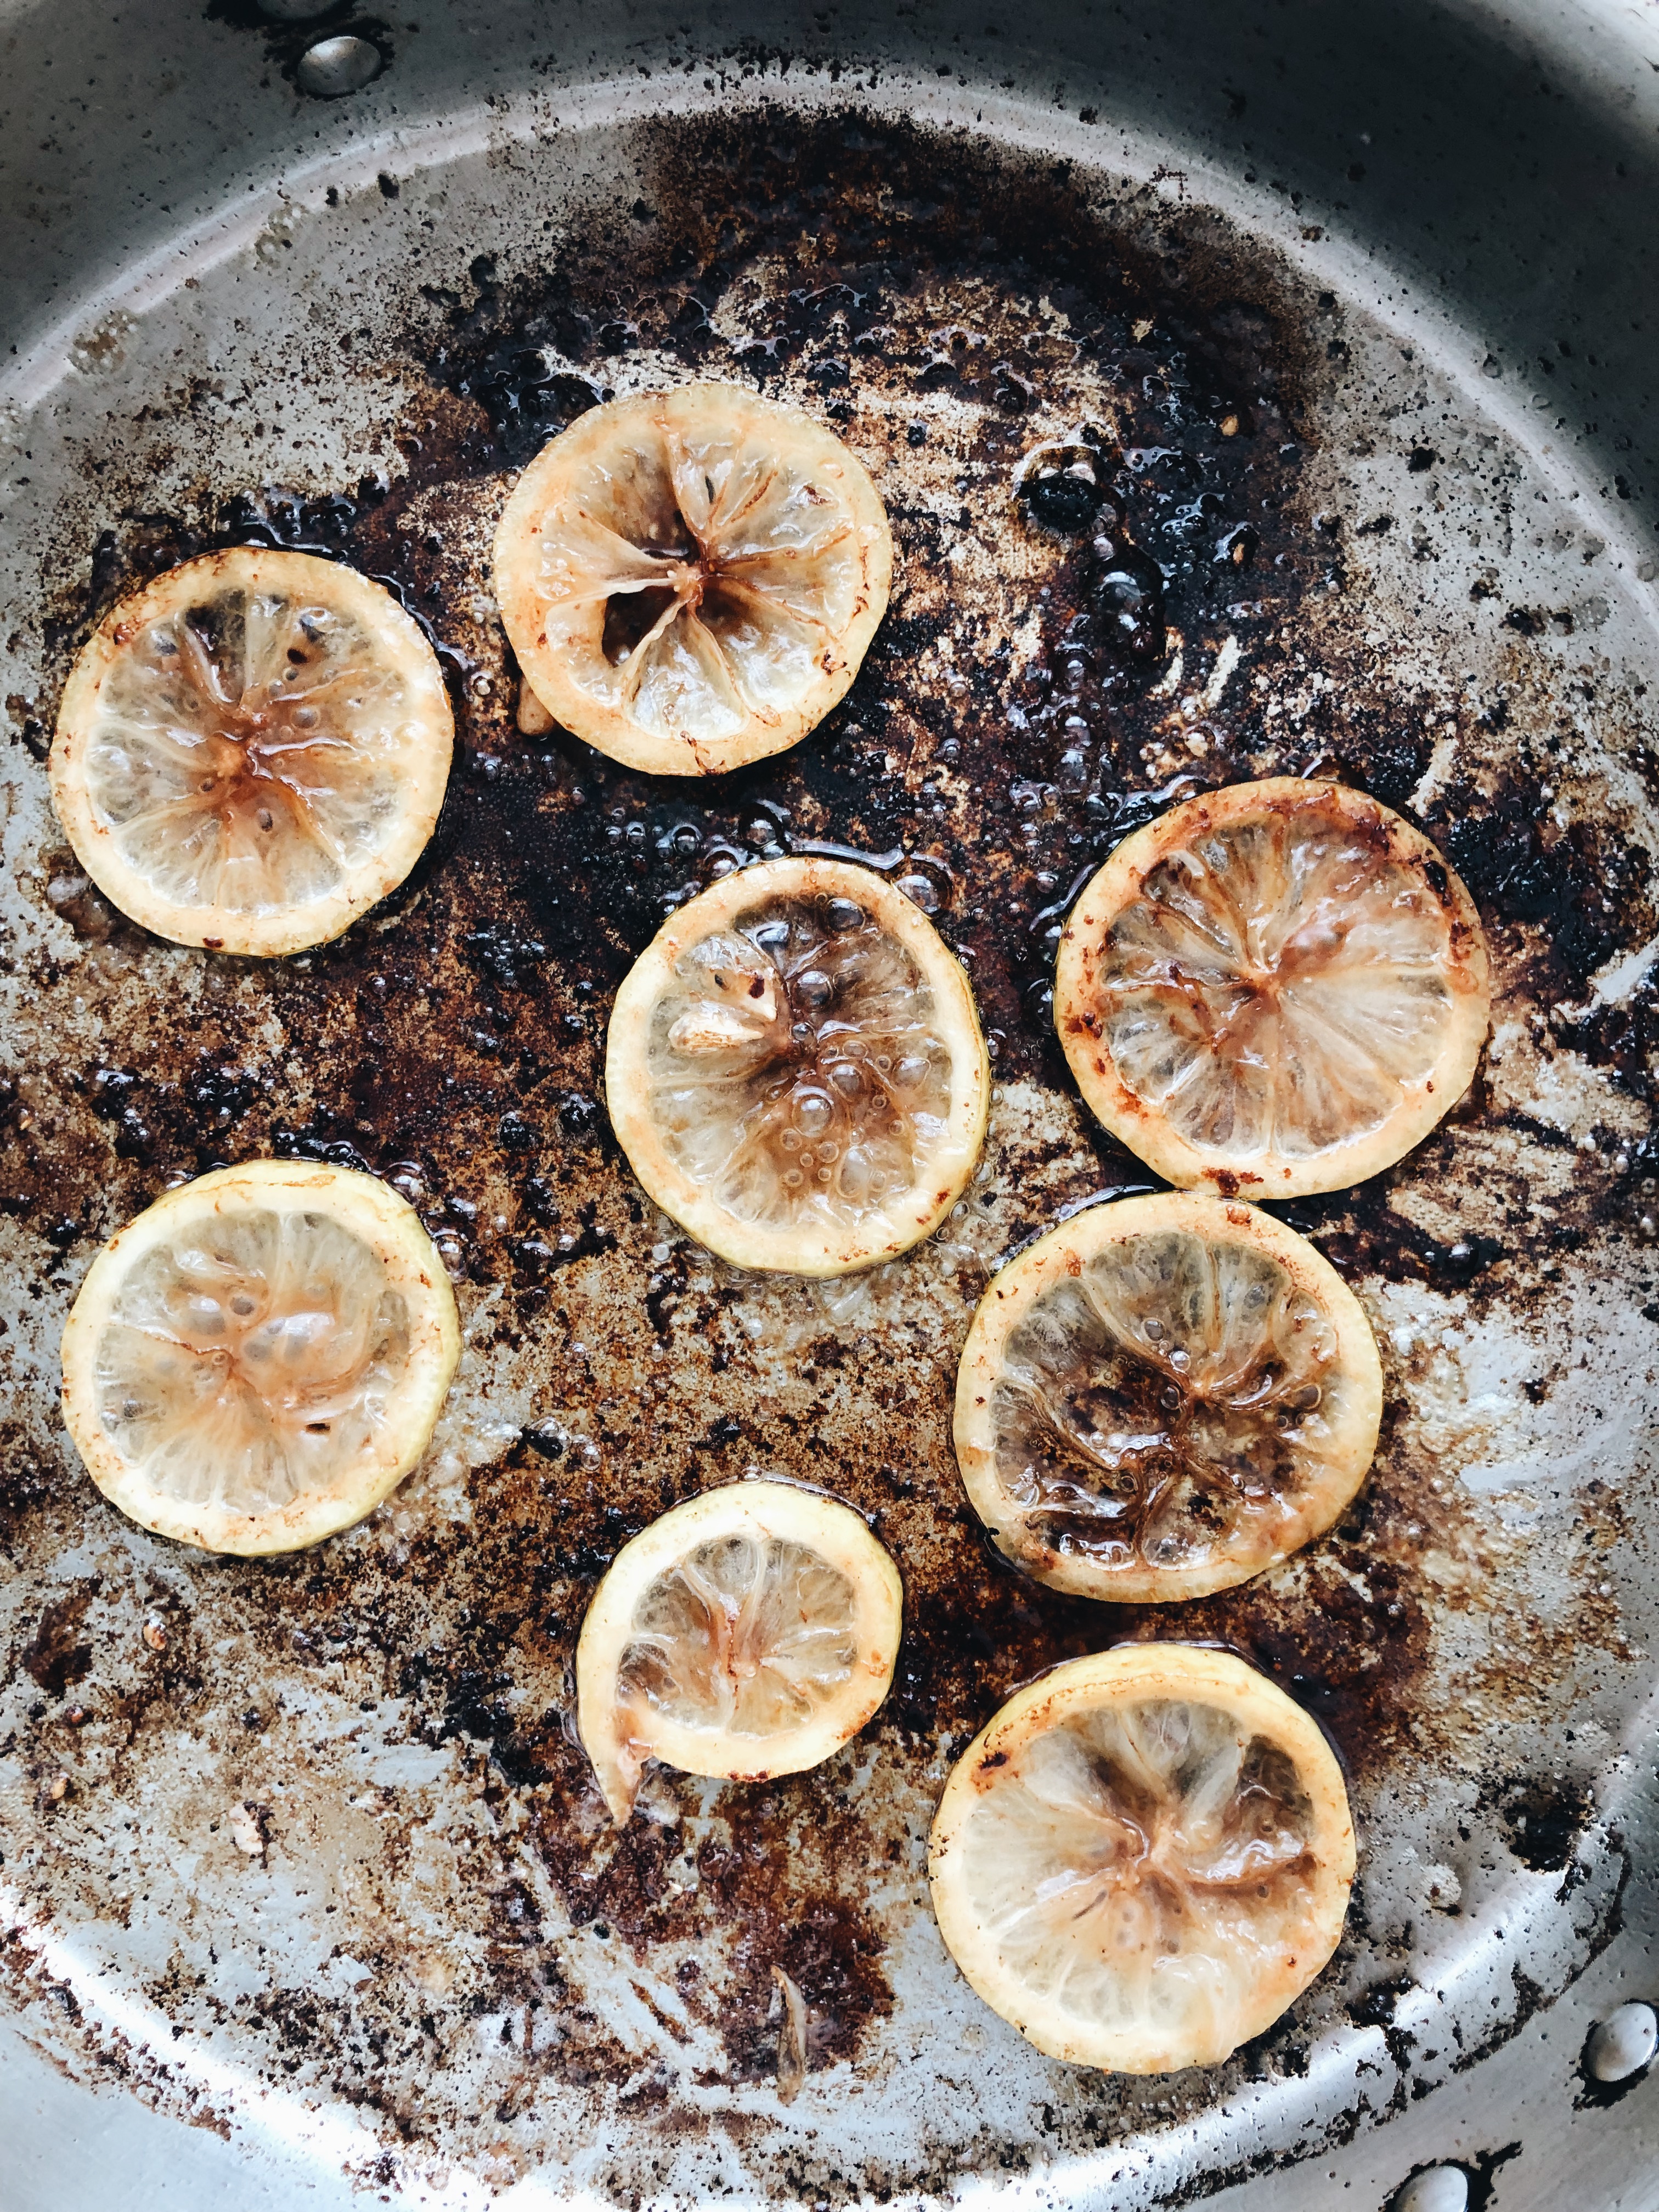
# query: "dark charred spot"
x,y
1575,887
1374,2007
1065,485
1127,603
55,1656
1544,1821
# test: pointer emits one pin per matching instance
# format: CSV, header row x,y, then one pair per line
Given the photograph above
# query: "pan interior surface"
x,y
325,1845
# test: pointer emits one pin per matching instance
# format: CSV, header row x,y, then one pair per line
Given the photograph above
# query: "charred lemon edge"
x,y
1130,1672
784,1511
385,1222
516,561
1143,1127
422,781
1063,1251
893,1229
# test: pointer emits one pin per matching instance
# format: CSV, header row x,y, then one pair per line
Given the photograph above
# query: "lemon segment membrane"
x,y
1276,988
796,1072
1144,1859
259,1358
252,750
748,1632
1163,1397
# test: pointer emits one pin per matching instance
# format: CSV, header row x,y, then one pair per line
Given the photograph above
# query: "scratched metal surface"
x,y
446,1976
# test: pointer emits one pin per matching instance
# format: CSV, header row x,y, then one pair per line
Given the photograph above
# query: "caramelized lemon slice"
x,y
1165,1396
1144,1859
690,578
252,750
1277,987
749,1632
795,1069
256,1360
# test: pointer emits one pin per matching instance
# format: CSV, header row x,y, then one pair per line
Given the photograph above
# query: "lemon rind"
x,y
813,1252
1062,1252
386,1223
1269,1175
1132,1672
423,777
785,1512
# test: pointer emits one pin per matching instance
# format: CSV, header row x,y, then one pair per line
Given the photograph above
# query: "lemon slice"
x,y
1165,1396
749,1632
1144,1859
690,578
1277,987
252,750
256,1360
795,1069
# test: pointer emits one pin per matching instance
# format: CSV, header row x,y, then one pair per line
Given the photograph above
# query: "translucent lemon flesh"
x,y
690,578
1168,1402
252,1360
1139,1866
1275,986
1165,1396
247,759
748,1632
1144,1857
692,582
1278,987
744,1638
259,1357
796,1069
252,750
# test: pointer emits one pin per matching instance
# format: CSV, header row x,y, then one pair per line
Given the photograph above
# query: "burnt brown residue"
x,y
947,310
28,1476
1544,1821
55,1656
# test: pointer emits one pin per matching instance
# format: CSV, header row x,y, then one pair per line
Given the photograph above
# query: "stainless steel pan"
x,y
1406,252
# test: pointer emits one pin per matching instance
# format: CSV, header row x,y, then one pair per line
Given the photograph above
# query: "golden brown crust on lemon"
x,y
690,578
1162,1397
1223,1012
203,767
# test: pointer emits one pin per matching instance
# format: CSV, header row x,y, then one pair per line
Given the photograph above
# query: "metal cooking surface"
x,y
445,1950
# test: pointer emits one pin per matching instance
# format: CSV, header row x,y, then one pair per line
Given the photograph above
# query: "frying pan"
x,y
1406,251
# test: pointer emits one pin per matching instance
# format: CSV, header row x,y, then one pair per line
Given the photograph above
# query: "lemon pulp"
x,y
747,1633
742,1637
690,578
1144,1859
1277,987
796,1070
252,750
1163,1397
259,1358
247,1365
